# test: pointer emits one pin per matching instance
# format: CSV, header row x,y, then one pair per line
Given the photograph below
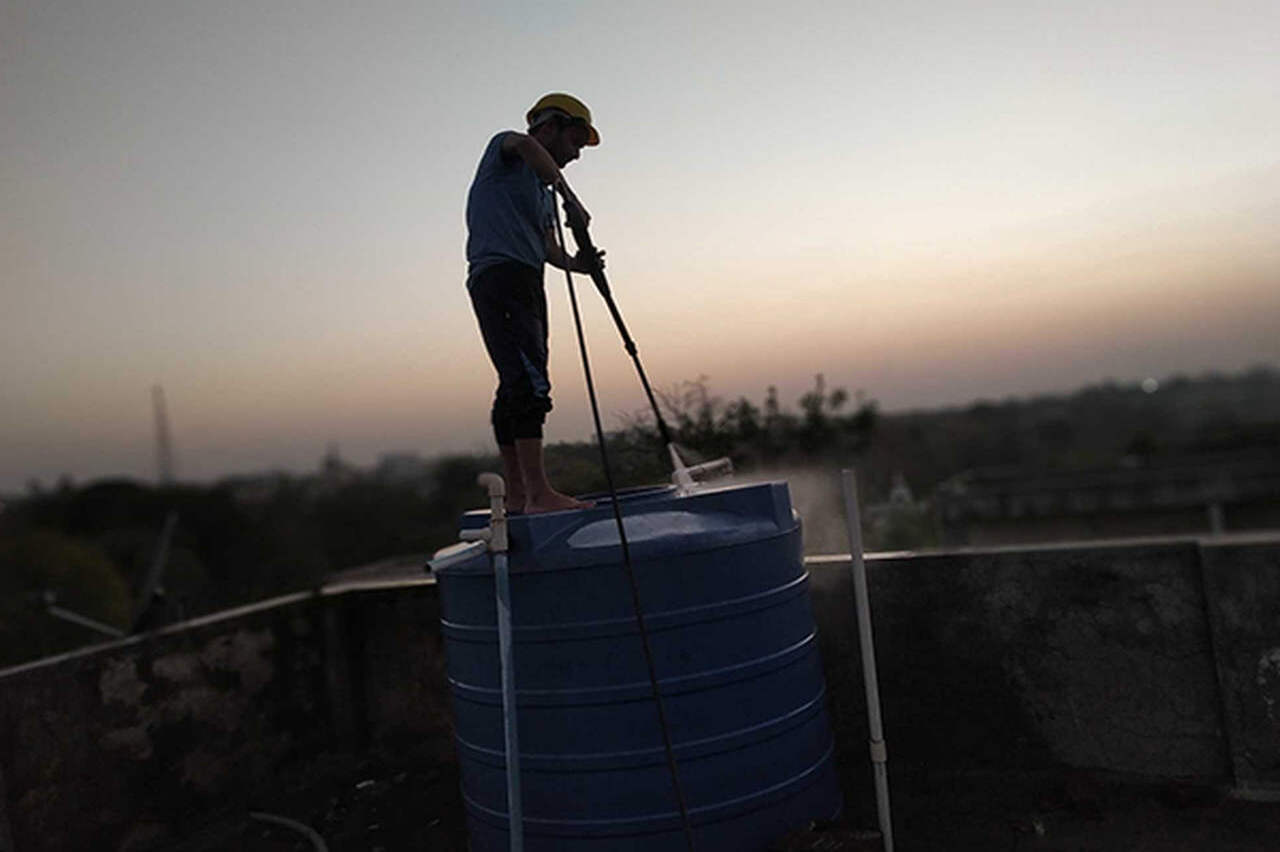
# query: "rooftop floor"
x,y
384,803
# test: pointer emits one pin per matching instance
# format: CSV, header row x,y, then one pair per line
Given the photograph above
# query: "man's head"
x,y
562,123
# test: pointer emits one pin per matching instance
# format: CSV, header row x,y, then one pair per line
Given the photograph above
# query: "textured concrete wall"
x,y
1094,657
1100,656
132,743
402,684
1097,656
138,742
1243,581
6,834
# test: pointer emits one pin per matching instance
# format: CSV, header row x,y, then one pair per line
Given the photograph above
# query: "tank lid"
x,y
656,528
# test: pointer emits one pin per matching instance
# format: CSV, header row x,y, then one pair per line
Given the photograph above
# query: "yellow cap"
x,y
570,106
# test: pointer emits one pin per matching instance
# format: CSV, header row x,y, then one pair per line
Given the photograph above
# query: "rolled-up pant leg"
x,y
511,307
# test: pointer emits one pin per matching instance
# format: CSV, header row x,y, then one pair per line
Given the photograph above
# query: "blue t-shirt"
x,y
508,212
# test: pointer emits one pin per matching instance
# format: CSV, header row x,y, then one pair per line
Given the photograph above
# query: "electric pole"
x,y
164,446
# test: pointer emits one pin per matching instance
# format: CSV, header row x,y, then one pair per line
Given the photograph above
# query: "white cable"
x,y
302,828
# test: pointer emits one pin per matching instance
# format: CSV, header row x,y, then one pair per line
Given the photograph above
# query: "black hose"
x,y
617,514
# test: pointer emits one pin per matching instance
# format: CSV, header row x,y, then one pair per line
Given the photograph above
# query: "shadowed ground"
x,y
368,802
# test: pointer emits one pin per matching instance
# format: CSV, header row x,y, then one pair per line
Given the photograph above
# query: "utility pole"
x,y
164,446
152,594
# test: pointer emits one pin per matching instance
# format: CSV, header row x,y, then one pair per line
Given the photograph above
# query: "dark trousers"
x,y
511,307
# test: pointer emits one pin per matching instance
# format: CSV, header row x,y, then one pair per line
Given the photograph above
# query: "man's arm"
x,y
531,151
574,263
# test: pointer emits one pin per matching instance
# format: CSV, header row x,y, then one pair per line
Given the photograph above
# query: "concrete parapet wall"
x,y
132,744
1160,659
1157,659
1243,584
129,741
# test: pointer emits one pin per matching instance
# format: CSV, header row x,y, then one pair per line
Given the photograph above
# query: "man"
x,y
510,235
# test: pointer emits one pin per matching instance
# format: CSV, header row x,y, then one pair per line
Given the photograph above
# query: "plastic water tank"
x,y
726,602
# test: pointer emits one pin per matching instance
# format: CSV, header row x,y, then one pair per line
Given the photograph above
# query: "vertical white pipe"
x,y
497,537
862,603
515,816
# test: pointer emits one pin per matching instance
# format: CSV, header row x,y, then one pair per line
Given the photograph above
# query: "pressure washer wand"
x,y
587,248
684,476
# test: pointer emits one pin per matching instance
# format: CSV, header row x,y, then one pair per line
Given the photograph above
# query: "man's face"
x,y
568,143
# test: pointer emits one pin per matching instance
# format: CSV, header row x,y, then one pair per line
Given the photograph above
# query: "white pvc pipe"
x,y
496,535
84,621
862,602
515,815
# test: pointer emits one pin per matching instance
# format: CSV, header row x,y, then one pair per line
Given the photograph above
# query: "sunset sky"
x,y
259,206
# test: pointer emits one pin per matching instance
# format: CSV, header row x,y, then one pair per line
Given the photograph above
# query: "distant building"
x,y
333,475
1189,495
901,522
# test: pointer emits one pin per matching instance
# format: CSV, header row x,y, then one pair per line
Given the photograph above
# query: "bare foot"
x,y
553,501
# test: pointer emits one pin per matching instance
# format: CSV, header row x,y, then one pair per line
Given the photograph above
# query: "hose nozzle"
x,y
687,478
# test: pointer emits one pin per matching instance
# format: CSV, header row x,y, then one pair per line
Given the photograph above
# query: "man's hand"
x,y
576,213
584,263
573,209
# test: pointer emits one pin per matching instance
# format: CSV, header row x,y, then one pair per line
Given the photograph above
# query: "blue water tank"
x,y
726,602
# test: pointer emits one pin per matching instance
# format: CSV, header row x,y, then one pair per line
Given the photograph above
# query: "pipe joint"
x,y
497,530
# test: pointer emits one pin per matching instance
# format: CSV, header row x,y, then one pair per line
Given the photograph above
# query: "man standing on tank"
x,y
510,236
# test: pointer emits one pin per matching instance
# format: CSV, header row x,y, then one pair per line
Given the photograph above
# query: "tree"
x,y
752,436
34,562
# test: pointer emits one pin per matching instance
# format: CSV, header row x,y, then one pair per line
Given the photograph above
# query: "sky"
x,y
259,207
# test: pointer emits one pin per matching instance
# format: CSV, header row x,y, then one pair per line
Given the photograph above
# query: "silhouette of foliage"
x,y
768,435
